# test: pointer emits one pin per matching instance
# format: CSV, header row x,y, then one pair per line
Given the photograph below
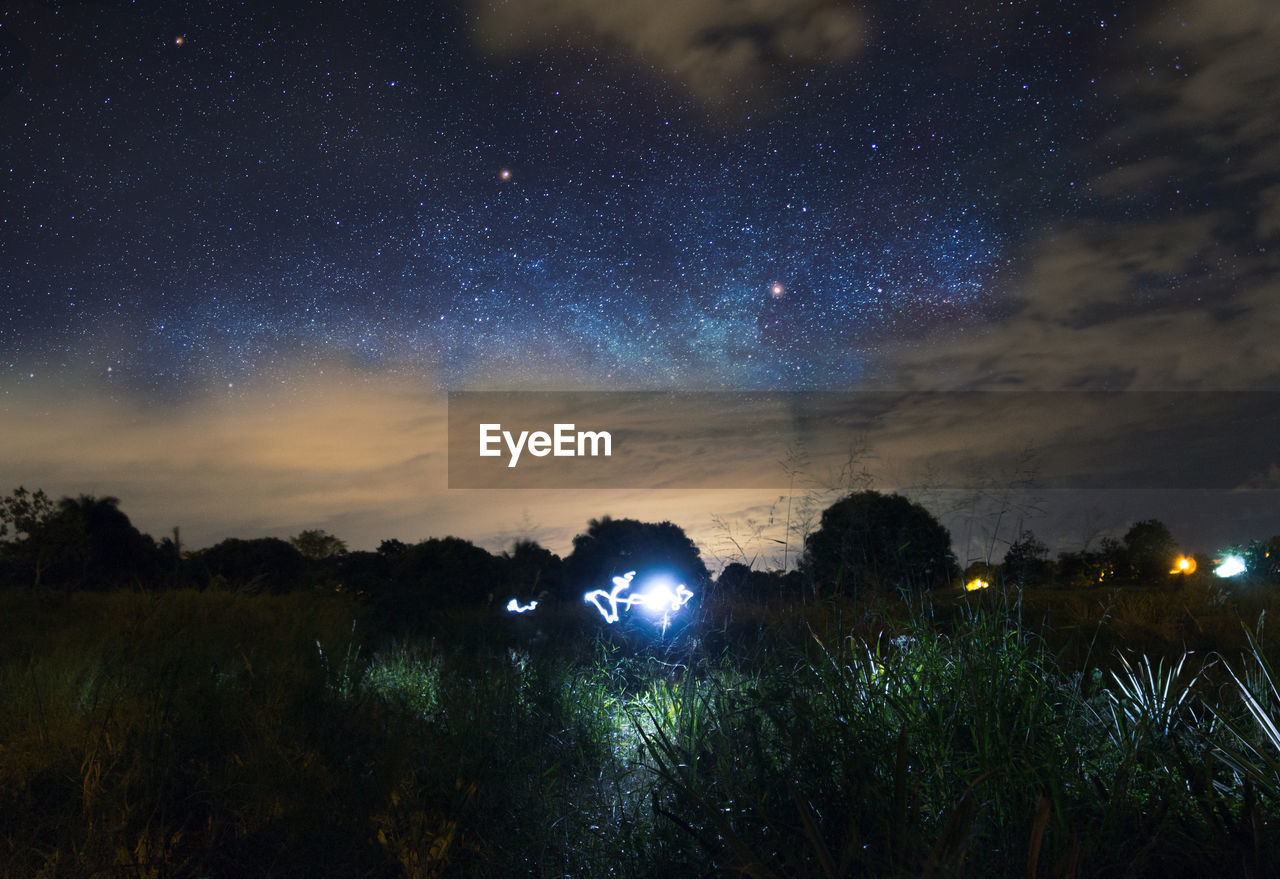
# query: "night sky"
x,y
245,251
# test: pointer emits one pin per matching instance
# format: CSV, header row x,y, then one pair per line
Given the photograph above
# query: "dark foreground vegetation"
x,y
391,719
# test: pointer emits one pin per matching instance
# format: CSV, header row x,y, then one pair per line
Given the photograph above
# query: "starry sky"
x,y
246,251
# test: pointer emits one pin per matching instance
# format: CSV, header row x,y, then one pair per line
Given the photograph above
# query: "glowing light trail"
x,y
659,597
516,607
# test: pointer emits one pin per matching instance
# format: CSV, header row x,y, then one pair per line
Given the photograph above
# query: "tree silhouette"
x,y
262,563
24,515
446,569
1150,549
361,573
740,581
409,585
734,579
96,546
879,542
318,544
1026,561
393,550
1263,559
23,512
612,547
531,570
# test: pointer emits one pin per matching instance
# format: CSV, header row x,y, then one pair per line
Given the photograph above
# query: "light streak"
x,y
659,597
516,607
1231,566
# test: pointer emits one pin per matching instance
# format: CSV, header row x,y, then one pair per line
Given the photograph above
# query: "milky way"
x,y
194,195
244,251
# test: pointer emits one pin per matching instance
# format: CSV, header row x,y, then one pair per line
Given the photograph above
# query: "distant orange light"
x,y
1184,565
975,584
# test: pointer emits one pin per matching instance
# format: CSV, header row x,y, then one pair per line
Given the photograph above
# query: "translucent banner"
x,y
1086,440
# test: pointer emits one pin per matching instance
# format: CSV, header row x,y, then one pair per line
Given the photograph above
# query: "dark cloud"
x,y
1223,85
1167,278
1065,344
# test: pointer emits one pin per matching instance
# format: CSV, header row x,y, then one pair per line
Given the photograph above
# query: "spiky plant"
x,y
1252,745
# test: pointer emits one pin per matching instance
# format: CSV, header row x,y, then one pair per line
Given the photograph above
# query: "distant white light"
x,y
1231,566
516,607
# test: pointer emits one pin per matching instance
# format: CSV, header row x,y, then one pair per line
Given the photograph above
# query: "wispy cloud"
x,y
720,50
1167,278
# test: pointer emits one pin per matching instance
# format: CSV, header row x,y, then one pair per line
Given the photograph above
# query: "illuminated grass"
x,y
1252,746
407,677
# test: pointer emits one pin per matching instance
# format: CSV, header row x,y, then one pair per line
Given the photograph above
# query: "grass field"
x,y
218,734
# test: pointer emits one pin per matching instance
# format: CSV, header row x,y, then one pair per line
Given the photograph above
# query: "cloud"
x,y
1269,212
1265,480
363,457
1220,84
269,459
1167,280
1232,74
717,49
1169,348
358,454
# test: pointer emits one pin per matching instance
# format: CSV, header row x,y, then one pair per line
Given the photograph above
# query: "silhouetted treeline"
x,y
1147,555
78,543
867,543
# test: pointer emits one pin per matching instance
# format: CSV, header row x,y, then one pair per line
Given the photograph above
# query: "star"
x,y
331,198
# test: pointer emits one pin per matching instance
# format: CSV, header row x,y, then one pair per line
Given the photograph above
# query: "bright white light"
x,y
660,597
1231,566
516,607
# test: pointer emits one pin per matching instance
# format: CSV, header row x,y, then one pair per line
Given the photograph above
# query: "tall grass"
x,y
942,753
215,734
1250,746
860,758
149,735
